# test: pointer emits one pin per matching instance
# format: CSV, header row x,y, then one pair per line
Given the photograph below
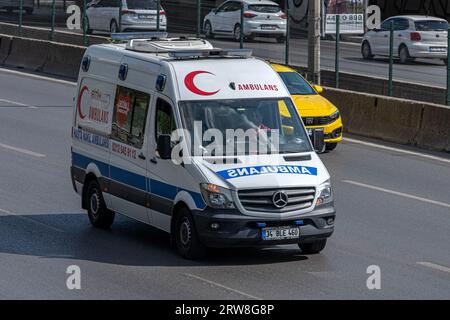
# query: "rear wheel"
x,y
331,146
366,51
207,29
313,247
404,55
185,235
99,215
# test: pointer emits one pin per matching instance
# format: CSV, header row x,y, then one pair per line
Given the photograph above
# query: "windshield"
x,y
296,84
141,4
431,25
244,127
264,8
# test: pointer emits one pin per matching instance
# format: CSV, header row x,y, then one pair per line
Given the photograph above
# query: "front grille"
x,y
317,121
261,199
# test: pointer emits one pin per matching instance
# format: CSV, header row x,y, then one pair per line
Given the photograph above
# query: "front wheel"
x,y
330,146
366,51
313,247
207,29
186,239
99,215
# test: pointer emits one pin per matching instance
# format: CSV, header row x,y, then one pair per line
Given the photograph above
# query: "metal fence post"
x,y
53,19
241,36
391,58
448,67
120,15
20,16
338,48
199,16
158,14
288,36
85,21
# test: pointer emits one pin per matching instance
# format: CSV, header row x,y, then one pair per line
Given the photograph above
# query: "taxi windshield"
x,y
236,124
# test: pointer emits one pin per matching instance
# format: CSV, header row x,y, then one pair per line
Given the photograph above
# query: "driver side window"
x,y
165,119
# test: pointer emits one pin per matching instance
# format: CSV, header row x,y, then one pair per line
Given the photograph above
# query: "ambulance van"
x,y
146,114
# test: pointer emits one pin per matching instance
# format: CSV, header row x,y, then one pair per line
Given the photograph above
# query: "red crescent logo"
x,y
189,83
83,90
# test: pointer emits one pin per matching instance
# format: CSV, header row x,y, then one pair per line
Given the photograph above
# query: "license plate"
x,y
146,16
280,233
438,49
268,27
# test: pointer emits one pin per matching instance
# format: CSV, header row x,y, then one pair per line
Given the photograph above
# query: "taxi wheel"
x,y
186,239
331,146
313,247
99,216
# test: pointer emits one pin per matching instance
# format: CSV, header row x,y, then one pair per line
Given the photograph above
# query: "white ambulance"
x,y
154,119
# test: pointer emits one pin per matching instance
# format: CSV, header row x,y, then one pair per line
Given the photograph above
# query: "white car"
x,y
10,5
137,15
414,37
262,18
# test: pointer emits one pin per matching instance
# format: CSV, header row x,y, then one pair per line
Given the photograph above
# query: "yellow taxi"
x,y
316,111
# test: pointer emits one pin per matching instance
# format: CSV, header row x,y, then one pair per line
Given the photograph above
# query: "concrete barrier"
x,y
5,47
28,54
63,60
407,122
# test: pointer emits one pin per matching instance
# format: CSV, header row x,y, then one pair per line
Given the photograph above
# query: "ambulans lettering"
x,y
259,170
98,105
257,87
189,83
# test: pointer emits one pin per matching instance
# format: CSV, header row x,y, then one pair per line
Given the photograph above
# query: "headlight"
x,y
217,197
335,115
325,194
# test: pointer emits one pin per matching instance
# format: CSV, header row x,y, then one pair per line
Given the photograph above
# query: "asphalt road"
x,y
426,72
393,211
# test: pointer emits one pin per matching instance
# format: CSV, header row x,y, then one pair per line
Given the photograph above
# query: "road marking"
x,y
412,153
38,77
434,266
24,151
396,193
221,286
18,104
31,220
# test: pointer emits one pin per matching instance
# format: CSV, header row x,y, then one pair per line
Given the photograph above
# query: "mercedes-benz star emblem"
x,y
280,199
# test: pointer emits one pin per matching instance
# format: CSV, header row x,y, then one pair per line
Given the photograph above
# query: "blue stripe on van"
x,y
137,181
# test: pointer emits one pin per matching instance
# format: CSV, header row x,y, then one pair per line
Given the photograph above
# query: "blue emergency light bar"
x,y
125,36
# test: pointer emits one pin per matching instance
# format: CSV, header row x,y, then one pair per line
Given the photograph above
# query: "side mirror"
x,y
318,140
319,89
164,147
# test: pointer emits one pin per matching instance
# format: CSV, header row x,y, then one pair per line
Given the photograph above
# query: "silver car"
x,y
262,18
414,37
137,15
10,5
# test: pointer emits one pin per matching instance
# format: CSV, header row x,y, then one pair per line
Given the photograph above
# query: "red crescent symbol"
x,y
83,90
189,83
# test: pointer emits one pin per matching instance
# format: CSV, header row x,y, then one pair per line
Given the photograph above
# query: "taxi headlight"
x,y
335,115
217,197
325,192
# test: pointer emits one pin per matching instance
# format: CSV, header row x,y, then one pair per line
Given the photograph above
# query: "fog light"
x,y
215,226
330,221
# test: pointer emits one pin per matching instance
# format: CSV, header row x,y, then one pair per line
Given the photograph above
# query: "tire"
x,y
281,39
330,146
445,61
313,247
366,51
237,32
113,27
207,29
99,215
186,239
403,54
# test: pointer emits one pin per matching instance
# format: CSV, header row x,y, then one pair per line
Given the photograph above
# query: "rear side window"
x,y
401,24
264,8
130,116
142,4
430,25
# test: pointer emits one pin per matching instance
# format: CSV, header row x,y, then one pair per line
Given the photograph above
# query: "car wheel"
x,y
404,55
331,146
313,247
99,215
207,29
366,51
114,28
445,61
237,33
281,39
186,239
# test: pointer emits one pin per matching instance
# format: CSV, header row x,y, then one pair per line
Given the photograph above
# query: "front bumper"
x,y
238,230
333,132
